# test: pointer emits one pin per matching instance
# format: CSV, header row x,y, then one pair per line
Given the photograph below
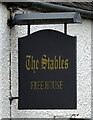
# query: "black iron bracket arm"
x,y
44,18
12,98
65,28
29,29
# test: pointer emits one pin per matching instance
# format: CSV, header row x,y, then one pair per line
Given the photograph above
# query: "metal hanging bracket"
x,y
12,98
46,18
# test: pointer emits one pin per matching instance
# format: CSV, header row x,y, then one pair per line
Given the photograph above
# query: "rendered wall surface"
x,y
0,62
92,69
9,44
4,62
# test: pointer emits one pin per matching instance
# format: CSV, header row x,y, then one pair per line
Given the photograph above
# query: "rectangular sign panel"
x,y
47,71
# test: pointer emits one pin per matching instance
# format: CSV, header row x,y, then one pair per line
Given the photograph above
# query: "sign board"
x,y
47,71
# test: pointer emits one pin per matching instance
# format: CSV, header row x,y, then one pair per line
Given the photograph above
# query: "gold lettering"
x,y
66,64
28,62
51,64
56,62
44,62
59,62
37,62
62,64
31,63
47,85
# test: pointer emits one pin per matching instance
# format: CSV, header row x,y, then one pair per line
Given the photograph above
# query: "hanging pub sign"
x,y
47,71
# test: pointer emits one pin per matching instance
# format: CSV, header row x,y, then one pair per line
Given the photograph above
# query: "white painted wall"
x,y
4,62
92,68
0,61
83,33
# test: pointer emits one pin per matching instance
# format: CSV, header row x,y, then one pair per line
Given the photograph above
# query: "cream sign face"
x,y
47,71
